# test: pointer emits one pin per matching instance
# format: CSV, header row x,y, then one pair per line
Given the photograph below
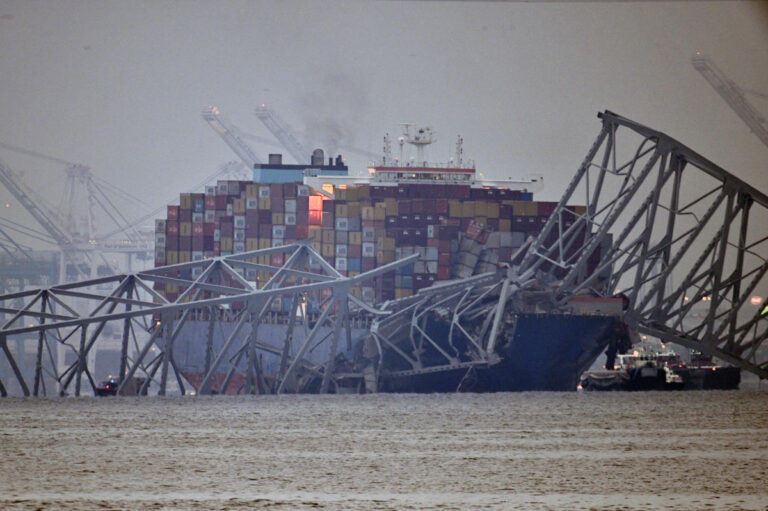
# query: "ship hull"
x,y
548,352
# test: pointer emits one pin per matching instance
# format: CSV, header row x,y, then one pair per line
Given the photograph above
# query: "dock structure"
x,y
665,232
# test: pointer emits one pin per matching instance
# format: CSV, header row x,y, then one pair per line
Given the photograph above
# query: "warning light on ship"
x,y
756,300
7,204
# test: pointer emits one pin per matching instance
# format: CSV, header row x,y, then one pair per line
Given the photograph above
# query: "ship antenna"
x,y
459,151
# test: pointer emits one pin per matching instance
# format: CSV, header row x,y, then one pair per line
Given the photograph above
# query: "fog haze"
x,y
120,86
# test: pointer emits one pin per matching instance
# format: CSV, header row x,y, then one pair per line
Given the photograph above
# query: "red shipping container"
x,y
172,243
315,203
185,243
277,259
315,217
302,204
302,232
209,228
265,231
210,202
546,208
444,260
289,190
197,229
368,264
328,220
216,248
172,228
197,244
221,202
276,191
173,212
355,251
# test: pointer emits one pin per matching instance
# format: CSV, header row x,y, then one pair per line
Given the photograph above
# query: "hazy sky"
x,y
120,85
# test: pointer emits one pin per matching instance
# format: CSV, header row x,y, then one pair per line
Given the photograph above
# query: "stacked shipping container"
x,y
456,230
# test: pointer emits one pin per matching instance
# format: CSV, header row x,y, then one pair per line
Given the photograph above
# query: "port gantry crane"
x,y
283,133
231,135
733,95
654,212
77,239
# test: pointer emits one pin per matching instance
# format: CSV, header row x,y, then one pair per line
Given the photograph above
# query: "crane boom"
x,y
12,182
283,133
732,95
231,135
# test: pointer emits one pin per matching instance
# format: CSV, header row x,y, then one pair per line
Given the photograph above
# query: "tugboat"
x,y
643,369
109,387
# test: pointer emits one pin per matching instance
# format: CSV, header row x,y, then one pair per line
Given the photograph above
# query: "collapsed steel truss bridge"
x,y
674,234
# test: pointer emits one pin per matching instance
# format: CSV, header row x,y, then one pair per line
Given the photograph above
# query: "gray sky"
x,y
120,85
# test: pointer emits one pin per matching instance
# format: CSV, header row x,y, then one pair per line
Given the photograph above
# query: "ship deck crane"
x,y
733,95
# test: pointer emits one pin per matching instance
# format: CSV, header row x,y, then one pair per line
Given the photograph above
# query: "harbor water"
x,y
647,450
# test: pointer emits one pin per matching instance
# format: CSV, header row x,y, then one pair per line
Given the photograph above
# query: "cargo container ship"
x,y
458,224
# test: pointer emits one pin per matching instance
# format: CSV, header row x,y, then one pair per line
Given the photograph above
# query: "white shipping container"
x,y
290,205
221,188
431,254
422,252
210,216
432,267
160,226
369,249
197,218
160,240
430,231
290,219
210,190
419,267
341,251
278,232
369,234
239,222
229,210
217,235
196,272
197,255
494,240
302,191
252,203
238,246
264,192
277,243
341,263
342,224
239,235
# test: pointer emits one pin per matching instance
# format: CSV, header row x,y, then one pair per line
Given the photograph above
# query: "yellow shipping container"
x,y
380,211
329,250
251,191
317,245
171,257
185,256
171,288
363,192
238,206
481,208
340,193
454,208
355,238
185,228
352,193
315,233
264,259
385,243
579,210
468,209
391,206
251,244
402,293
278,218
505,225
185,201
265,243
525,208
226,245
367,213
342,211
329,236
385,256
353,208
265,203
492,209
